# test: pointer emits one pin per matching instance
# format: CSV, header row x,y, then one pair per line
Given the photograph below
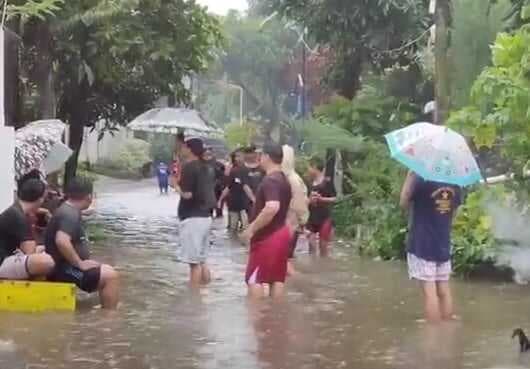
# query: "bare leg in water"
x,y
431,302
445,298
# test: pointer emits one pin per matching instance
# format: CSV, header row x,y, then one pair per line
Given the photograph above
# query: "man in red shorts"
x,y
268,233
321,199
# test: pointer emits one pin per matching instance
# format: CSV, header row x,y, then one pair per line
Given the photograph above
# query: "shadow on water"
x,y
345,312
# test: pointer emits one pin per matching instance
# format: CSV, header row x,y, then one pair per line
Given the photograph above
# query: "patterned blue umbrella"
x,y
436,153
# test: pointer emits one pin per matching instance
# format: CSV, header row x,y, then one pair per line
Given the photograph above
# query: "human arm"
x,y
223,196
262,220
407,191
65,246
249,193
272,197
23,234
328,195
186,184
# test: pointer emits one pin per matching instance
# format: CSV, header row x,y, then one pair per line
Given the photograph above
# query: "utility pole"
x,y
304,102
442,16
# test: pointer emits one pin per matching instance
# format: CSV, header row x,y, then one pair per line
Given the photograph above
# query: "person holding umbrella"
x,y
440,163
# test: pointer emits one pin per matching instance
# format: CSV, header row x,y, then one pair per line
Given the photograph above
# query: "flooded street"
x,y
346,312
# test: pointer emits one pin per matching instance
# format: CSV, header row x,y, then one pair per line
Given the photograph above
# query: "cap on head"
x,y
274,151
196,146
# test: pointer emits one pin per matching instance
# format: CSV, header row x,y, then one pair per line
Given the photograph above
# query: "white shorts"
x,y
194,237
428,271
15,267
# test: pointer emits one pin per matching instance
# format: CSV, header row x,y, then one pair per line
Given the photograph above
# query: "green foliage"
x,y
96,232
374,183
500,109
39,9
253,57
360,32
320,135
371,114
473,239
162,148
474,28
128,162
237,135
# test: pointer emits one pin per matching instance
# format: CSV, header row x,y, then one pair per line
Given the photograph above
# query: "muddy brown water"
x,y
346,312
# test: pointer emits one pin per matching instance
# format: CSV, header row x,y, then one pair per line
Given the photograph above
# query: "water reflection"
x,y
345,312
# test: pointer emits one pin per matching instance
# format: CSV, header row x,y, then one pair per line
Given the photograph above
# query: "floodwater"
x,y
345,312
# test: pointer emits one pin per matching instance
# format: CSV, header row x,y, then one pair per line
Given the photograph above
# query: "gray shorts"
x,y
15,267
194,237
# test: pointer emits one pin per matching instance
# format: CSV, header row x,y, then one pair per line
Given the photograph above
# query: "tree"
x,y
500,102
473,31
254,58
359,32
115,58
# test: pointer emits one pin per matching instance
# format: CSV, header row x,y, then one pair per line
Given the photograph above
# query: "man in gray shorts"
x,y
19,259
197,199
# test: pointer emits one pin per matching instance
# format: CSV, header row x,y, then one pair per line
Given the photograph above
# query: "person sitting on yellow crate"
x,y
65,240
19,259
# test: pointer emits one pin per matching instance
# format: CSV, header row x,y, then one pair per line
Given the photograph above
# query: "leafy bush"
x,y
162,148
129,162
374,183
473,239
500,102
238,135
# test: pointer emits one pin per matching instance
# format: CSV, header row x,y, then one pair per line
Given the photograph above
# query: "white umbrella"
x,y
35,142
173,121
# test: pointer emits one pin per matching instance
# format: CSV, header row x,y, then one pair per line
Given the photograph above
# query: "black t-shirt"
x,y
237,199
197,177
253,178
274,187
68,220
320,212
15,228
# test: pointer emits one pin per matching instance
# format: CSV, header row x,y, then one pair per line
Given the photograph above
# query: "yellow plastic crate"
x,y
26,296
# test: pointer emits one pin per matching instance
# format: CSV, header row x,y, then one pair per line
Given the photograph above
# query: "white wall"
x,y
7,167
94,150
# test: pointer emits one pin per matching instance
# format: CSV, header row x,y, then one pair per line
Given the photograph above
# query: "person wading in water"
x,y
268,233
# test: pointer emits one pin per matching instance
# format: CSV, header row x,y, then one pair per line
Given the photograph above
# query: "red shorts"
x,y
267,262
324,230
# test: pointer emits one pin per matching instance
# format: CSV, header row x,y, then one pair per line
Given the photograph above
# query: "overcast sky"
x,y
222,6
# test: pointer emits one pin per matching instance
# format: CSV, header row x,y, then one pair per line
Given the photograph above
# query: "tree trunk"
x,y
43,72
75,141
349,82
11,76
441,49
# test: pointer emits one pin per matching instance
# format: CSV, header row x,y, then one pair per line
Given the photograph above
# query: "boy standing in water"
x,y
321,199
433,206
197,199
162,173
268,233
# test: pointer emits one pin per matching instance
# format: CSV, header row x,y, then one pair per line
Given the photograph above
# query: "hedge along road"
x,y
345,312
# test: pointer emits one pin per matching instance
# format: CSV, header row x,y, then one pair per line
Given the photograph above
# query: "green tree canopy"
x,y
360,32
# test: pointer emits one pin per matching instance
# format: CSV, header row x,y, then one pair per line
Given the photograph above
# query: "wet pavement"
x,y
346,312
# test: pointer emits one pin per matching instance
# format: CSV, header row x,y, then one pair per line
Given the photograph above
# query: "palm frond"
x,y
35,9
320,136
101,12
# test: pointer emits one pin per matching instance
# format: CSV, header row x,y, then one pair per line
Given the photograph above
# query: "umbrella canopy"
x,y
435,153
35,142
173,121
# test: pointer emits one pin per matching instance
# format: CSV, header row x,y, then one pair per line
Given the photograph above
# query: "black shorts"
x,y
87,281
